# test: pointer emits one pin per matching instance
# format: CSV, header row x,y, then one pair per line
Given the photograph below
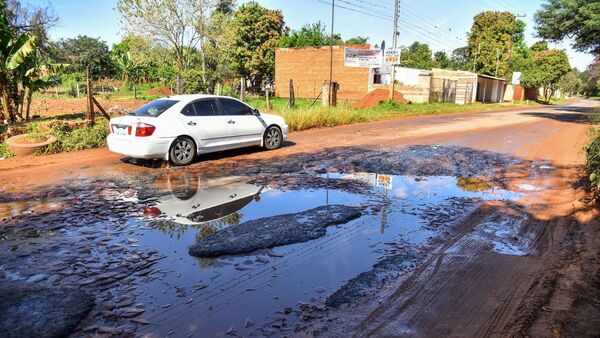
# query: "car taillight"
x,y
144,129
129,130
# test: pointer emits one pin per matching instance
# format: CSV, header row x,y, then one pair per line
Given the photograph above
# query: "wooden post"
x,y
267,94
334,88
90,98
77,89
292,99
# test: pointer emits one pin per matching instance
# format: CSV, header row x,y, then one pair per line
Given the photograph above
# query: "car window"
x,y
188,110
206,108
233,107
154,108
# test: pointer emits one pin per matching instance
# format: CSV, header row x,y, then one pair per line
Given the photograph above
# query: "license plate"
x,y
121,131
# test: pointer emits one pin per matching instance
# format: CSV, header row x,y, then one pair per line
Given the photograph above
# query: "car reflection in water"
x,y
206,205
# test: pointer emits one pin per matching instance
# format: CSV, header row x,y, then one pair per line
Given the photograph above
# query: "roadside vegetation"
x,y
307,116
593,152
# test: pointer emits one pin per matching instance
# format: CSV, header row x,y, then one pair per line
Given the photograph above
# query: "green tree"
x,y
181,24
82,52
256,32
573,19
417,55
307,36
590,79
459,60
217,46
539,46
490,42
547,70
357,40
442,59
22,71
570,82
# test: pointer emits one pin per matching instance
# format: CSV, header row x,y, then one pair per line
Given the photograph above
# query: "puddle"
x,y
527,187
146,257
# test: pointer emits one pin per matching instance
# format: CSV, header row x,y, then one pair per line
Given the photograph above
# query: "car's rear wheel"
x,y
183,151
272,138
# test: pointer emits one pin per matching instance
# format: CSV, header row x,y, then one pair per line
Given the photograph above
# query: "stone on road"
x,y
269,232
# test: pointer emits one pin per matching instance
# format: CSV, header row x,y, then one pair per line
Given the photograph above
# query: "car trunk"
x,y
124,127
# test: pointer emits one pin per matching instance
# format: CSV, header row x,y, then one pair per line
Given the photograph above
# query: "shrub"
x,y
68,140
593,152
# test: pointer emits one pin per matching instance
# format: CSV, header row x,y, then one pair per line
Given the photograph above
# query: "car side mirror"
x,y
255,112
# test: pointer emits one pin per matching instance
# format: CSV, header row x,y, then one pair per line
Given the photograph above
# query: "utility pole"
x,y
476,57
497,60
331,53
512,42
394,45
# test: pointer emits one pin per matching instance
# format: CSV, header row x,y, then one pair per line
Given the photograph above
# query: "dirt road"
x,y
472,224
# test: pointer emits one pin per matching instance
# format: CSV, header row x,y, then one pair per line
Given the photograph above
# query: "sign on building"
x,y
355,57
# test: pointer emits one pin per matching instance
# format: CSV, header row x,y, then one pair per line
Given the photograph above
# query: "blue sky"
x,y
441,24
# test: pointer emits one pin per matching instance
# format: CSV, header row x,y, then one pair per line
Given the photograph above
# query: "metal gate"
x,y
442,90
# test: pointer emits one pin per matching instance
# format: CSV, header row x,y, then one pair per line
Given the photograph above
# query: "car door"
x,y
207,126
243,127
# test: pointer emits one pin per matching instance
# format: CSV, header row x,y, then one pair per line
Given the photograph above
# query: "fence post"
x,y
292,99
91,114
267,94
430,89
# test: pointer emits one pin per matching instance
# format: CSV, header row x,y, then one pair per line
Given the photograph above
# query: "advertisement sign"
x,y
391,57
362,57
355,57
384,181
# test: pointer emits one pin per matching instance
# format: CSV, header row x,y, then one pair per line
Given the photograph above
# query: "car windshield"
x,y
154,108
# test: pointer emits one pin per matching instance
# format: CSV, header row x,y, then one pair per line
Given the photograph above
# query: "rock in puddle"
x,y
269,232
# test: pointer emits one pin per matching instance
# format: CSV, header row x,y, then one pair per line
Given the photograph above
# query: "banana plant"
x,y
14,56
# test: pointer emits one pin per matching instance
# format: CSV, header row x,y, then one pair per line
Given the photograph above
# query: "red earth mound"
x,y
160,91
377,96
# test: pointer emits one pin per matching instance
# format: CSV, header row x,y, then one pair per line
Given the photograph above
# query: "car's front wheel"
x,y
183,151
273,138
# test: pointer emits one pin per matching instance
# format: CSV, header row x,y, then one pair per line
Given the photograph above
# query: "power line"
x,y
407,25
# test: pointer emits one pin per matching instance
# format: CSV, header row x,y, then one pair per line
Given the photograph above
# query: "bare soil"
x,y
462,285
56,107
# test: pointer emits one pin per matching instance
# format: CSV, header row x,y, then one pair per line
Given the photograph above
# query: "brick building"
x,y
309,67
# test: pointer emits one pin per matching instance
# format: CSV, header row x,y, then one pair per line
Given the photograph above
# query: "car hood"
x,y
273,119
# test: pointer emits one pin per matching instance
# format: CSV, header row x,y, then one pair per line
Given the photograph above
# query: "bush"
x,y
5,151
81,138
593,152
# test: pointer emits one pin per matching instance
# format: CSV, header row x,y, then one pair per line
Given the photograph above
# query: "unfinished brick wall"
x,y
309,67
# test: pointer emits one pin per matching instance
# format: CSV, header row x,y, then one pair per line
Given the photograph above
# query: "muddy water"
x,y
181,295
214,296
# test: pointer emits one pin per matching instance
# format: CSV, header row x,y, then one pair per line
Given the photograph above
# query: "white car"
x,y
177,128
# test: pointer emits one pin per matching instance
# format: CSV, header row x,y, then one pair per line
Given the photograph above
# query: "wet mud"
x,y
181,253
29,311
389,267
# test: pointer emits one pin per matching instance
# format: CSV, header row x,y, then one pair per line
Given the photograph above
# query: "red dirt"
x,y
160,91
377,96
56,107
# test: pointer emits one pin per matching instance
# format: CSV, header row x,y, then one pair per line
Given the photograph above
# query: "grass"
x,y
592,150
305,116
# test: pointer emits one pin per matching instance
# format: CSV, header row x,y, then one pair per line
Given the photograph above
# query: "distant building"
x,y
308,67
